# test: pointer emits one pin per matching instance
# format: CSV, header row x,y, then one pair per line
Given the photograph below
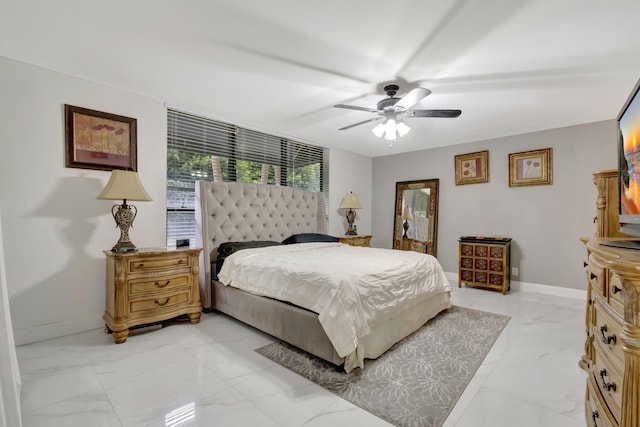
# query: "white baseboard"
x,y
535,288
56,330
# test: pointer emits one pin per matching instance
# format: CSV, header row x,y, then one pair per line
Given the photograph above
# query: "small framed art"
x,y
97,140
531,168
472,168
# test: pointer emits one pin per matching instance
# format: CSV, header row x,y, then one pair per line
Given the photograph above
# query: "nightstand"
x,y
356,240
150,285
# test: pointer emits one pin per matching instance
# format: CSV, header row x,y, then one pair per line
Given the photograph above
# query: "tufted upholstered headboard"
x,y
239,212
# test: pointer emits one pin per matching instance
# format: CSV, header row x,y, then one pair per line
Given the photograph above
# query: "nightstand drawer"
x,y
164,283
158,263
356,240
159,302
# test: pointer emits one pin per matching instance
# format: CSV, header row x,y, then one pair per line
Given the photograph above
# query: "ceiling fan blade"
x,y
412,98
361,123
434,113
355,107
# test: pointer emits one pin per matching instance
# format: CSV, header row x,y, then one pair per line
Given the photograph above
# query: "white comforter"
x,y
352,289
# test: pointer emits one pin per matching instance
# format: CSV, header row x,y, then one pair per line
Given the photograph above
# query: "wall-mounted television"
x,y
629,169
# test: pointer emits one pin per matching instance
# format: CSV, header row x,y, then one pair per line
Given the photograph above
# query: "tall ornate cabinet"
x,y
612,347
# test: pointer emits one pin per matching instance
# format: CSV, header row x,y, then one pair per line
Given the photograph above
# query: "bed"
x,y
239,212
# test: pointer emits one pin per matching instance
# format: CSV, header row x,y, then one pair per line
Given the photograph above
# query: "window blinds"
x,y
200,148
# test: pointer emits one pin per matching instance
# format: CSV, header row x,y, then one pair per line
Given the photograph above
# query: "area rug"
x,y
419,380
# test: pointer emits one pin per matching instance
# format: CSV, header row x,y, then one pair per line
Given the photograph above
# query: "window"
x,y
204,149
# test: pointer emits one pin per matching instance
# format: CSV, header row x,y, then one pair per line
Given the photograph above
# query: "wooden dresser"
x,y
150,285
612,347
485,262
356,240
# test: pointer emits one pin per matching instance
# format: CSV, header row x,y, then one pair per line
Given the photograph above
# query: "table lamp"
x,y
124,185
350,202
406,216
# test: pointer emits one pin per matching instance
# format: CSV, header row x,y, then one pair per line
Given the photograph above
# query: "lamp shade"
x,y
350,201
406,214
124,185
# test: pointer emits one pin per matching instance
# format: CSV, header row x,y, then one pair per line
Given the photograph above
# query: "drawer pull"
x,y
585,263
141,265
607,339
593,276
605,384
166,300
181,261
158,285
594,416
616,289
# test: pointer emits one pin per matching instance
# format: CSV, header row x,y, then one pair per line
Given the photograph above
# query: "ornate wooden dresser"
x,y
612,347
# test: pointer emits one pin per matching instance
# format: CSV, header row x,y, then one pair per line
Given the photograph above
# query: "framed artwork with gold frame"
x,y
533,167
97,140
472,168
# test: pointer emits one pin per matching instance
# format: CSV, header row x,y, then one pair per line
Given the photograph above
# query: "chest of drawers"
x,y
485,262
149,286
612,347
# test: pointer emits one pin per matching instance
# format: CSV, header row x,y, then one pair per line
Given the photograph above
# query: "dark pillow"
x,y
227,248
309,238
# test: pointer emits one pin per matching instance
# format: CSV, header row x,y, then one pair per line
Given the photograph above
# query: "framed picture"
x,y
531,168
472,168
97,140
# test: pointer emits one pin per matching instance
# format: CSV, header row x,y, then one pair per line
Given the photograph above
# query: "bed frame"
x,y
239,212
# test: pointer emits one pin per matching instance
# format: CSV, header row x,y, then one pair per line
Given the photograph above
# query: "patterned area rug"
x,y
419,380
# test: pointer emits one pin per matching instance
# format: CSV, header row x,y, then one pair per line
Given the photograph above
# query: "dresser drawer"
x,y
615,295
608,380
158,263
596,413
607,332
159,302
596,275
164,283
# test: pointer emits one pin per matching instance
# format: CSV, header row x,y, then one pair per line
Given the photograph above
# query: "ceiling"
x,y
511,66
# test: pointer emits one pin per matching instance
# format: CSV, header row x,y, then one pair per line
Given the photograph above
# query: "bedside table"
x,y
356,240
150,285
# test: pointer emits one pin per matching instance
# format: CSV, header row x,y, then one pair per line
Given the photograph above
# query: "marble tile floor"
x,y
209,375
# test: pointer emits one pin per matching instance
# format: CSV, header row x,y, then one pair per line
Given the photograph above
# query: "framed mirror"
x,y
416,216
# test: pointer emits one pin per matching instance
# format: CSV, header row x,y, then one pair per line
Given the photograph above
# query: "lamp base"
x,y
123,247
351,231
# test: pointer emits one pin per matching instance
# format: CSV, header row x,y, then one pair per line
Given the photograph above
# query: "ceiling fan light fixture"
x,y
378,130
391,129
402,129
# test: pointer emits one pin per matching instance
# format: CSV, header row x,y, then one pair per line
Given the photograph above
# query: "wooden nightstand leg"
x,y
120,336
195,317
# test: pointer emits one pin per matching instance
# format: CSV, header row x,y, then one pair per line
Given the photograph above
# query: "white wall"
x,y
545,221
349,172
54,228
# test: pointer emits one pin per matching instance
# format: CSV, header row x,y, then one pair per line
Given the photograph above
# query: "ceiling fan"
x,y
393,109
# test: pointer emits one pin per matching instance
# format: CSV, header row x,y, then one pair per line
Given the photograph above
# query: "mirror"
x,y
416,216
